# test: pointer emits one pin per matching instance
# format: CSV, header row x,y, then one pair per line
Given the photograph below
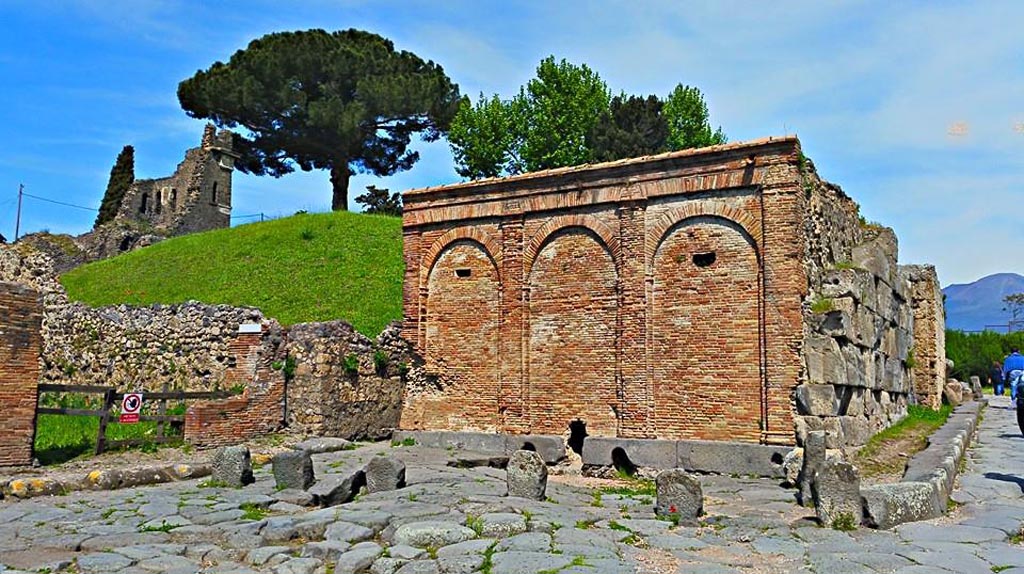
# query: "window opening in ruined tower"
x,y
174,198
463,273
704,259
214,193
145,203
159,201
577,432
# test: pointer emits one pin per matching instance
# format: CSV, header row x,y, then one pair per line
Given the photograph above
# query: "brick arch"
x,y
491,247
657,233
558,223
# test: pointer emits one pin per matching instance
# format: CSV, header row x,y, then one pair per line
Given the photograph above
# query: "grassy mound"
x,y
310,267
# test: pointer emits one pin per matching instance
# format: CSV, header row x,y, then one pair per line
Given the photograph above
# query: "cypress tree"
x,y
122,175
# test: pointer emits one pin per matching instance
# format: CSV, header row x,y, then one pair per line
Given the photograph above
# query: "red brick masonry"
x,y
656,297
21,316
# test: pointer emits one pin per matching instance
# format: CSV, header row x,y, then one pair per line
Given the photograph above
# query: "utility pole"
x,y
17,221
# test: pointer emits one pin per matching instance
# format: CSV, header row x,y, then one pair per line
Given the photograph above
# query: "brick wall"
x,y
602,312
20,346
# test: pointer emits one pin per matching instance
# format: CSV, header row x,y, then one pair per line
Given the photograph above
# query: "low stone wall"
x,y
20,343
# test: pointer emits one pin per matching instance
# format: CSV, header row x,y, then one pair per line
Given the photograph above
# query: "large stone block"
x,y
527,475
856,430
490,443
814,457
856,372
293,469
678,494
732,458
878,255
601,451
854,283
338,488
551,448
384,473
824,360
887,505
232,465
836,489
819,400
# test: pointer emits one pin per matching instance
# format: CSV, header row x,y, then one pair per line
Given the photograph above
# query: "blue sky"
x,y
873,89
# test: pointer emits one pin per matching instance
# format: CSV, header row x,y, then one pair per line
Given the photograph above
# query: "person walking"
x,y
995,378
1013,371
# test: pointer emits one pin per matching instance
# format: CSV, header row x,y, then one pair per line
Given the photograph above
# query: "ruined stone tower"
x,y
197,197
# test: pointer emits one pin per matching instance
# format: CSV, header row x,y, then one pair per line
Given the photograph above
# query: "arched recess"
x,y
604,233
572,314
706,332
461,341
659,229
491,247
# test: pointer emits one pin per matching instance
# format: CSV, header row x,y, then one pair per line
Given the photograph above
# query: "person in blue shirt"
x,y
1013,371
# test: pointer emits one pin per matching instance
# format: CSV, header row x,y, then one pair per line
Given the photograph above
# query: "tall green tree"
x,y
483,138
345,101
556,110
380,201
633,126
122,175
688,124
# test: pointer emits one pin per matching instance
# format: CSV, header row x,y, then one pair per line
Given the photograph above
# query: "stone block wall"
x,y
20,345
860,323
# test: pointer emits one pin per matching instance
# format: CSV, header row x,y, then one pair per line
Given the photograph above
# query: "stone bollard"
x,y
384,473
836,488
679,494
232,466
953,392
976,387
527,475
293,469
814,457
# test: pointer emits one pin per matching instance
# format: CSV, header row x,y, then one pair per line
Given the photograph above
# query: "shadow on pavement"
x,y
1006,478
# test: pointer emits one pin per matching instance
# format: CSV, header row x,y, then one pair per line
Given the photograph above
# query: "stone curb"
x,y
101,480
924,490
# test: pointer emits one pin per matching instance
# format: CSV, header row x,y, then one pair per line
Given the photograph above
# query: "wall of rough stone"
x,y
20,345
928,372
858,322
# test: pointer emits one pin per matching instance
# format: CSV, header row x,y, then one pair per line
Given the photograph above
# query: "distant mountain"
x,y
973,306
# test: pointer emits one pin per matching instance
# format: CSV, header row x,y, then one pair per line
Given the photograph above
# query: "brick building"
x,y
666,297
21,315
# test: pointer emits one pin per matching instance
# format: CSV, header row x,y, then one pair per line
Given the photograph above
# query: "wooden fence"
x,y
112,398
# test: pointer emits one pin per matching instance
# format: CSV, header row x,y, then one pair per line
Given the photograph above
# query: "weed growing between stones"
x,y
844,522
821,305
475,524
637,488
212,483
585,524
488,564
164,527
253,512
407,441
596,499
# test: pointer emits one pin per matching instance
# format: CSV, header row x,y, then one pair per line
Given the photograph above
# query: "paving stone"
x,y
168,562
419,567
432,534
836,490
527,542
298,566
358,559
102,562
217,517
603,566
501,524
328,550
516,562
477,546
294,496
585,550
386,565
673,542
460,564
348,532
260,556
406,552
323,444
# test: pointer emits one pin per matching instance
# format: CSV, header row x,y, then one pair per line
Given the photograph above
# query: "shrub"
x,y
351,364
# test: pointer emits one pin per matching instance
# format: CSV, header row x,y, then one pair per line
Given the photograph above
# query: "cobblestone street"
x,y
453,520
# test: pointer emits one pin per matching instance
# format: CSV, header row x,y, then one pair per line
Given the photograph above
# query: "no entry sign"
x,y
130,407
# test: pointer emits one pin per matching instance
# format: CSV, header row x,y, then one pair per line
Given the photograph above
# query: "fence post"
x,y
108,405
161,410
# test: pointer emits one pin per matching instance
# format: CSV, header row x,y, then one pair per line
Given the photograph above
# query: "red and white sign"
x,y
131,405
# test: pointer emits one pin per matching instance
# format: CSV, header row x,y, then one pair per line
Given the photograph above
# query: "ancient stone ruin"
x,y
718,294
196,197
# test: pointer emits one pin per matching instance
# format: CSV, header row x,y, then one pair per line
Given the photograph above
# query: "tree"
x,y
483,138
687,116
1015,305
344,101
555,112
633,126
380,201
122,175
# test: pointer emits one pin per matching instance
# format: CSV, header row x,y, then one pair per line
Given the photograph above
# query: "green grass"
x,y
909,436
60,438
309,267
